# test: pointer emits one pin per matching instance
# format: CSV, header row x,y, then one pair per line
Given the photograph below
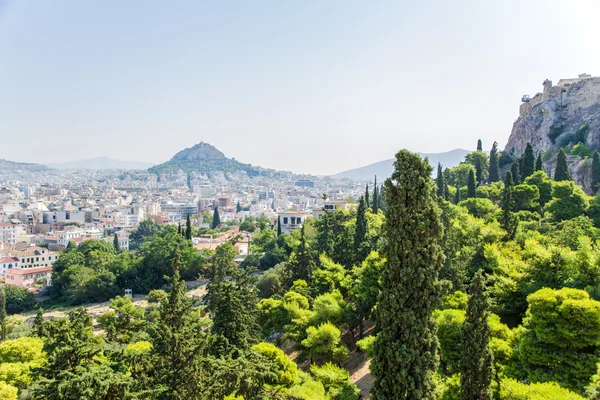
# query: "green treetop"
x,y
515,170
375,205
471,186
494,165
116,244
361,245
440,181
479,145
539,165
528,166
188,228
562,168
216,219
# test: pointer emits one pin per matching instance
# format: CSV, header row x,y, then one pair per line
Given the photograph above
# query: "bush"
x,y
511,389
18,299
336,381
480,208
287,371
366,345
323,343
157,296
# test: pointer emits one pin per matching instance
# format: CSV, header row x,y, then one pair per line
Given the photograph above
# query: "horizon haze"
x,y
306,87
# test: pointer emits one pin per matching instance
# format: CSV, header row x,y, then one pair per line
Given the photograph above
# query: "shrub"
x,y
157,296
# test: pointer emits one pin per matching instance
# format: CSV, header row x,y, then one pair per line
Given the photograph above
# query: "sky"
x,y
305,86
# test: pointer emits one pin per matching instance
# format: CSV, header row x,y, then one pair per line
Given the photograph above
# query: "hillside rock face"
x,y
551,120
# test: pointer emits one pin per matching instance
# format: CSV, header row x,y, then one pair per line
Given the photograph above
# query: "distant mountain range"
x,y
384,169
101,163
206,159
21,166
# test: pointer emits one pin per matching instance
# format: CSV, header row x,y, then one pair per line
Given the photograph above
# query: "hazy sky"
x,y
309,86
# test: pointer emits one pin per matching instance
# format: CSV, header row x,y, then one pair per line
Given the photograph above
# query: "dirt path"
x,y
358,366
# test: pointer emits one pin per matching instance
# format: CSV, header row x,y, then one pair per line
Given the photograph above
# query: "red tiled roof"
x,y
26,271
8,259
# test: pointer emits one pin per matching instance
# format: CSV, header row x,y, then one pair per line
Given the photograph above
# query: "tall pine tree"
x,y
367,194
457,195
494,164
595,172
188,228
116,244
539,165
301,263
562,167
361,245
515,170
528,162
375,206
440,181
479,145
509,220
178,343
2,314
471,187
216,219
476,367
278,225
406,348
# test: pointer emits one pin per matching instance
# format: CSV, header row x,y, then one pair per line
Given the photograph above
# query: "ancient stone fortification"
x,y
547,118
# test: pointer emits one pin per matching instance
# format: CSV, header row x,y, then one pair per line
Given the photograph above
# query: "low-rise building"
x,y
291,220
28,277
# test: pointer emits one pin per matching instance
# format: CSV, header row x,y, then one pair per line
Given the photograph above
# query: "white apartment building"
x,y
291,220
9,232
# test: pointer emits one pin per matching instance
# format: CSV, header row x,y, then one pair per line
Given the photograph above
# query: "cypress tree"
x,y
238,207
528,162
509,221
595,171
179,228
38,323
301,263
216,219
508,180
2,314
178,342
375,206
471,188
188,228
367,202
360,233
446,192
476,366
539,165
116,244
562,168
381,200
406,348
440,181
515,171
494,164
457,196
479,145
278,226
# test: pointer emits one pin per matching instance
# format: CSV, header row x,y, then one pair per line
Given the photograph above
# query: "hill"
x,y
565,115
6,165
383,169
101,163
204,158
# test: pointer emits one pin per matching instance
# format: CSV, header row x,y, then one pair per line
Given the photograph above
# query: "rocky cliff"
x,y
564,115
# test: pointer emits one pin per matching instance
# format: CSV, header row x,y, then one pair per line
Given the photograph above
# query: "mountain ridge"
x,y
100,163
383,169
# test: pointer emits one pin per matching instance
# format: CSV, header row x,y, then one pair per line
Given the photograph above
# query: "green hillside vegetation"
x,y
493,293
